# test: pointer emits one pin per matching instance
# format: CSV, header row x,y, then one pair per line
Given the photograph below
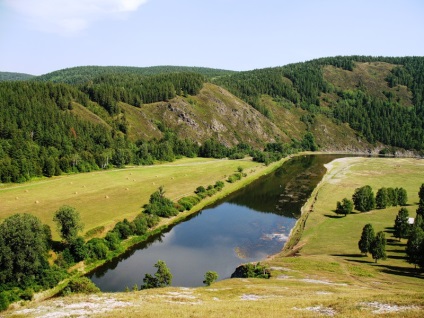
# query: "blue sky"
x,y
40,36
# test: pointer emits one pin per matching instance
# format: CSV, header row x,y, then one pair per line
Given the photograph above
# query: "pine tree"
x,y
401,225
378,247
367,238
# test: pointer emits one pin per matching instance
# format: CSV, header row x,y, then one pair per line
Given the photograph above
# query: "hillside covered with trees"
x,y
89,118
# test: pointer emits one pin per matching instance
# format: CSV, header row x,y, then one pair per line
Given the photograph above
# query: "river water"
x,y
246,226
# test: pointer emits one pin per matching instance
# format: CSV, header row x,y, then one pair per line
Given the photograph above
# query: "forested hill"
x,y
9,76
87,118
83,74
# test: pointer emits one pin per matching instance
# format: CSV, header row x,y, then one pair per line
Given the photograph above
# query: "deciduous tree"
x,y
68,223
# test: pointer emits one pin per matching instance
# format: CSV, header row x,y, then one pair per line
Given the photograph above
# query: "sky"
x,y
41,36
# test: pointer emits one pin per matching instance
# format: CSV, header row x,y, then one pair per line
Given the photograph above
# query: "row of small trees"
x,y
364,200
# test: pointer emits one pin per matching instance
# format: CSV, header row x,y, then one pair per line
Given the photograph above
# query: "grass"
x,y
329,278
105,197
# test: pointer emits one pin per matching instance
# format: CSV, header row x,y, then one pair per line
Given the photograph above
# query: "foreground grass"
x,y
329,278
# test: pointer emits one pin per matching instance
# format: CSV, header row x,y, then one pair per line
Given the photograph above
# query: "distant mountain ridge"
x,y
11,76
85,118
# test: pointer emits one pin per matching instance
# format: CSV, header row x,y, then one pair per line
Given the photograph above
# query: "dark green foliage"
x,y
402,196
27,294
9,76
140,224
213,149
252,271
23,250
378,247
4,301
160,205
188,202
382,198
200,189
219,185
401,225
210,277
364,199
420,210
367,237
68,223
345,207
112,240
235,177
97,248
83,74
78,249
80,285
124,229
308,142
415,246
162,277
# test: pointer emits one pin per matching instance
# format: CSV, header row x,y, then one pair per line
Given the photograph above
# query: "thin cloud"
x,y
71,16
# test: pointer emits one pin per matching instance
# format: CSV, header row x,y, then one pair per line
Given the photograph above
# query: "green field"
x,y
106,197
328,278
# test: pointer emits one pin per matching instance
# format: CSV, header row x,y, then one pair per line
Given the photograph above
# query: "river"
x,y
246,226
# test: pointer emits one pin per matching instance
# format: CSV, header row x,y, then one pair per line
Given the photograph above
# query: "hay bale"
x,y
106,197
75,192
36,201
17,198
127,189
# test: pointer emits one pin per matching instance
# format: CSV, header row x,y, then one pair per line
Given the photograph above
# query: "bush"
x,y
97,248
123,229
140,225
219,185
27,294
4,301
112,240
235,177
81,285
200,189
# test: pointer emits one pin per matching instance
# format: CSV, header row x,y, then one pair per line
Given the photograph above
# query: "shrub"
x,y
123,229
200,189
4,301
27,294
210,277
112,240
81,285
97,248
219,185
140,225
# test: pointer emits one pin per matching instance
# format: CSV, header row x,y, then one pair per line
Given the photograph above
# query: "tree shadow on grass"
x,y
350,255
401,271
397,257
396,251
331,216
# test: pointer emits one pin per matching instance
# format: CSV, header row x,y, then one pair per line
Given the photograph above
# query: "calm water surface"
x,y
246,226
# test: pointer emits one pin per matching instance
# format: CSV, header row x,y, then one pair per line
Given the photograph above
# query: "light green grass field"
x,y
105,197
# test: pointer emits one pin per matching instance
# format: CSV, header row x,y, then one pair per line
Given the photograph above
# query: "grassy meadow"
x,y
327,278
106,197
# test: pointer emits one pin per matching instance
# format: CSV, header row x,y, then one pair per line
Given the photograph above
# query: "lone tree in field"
x,y
210,277
402,226
162,278
367,238
378,247
364,199
68,223
345,207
